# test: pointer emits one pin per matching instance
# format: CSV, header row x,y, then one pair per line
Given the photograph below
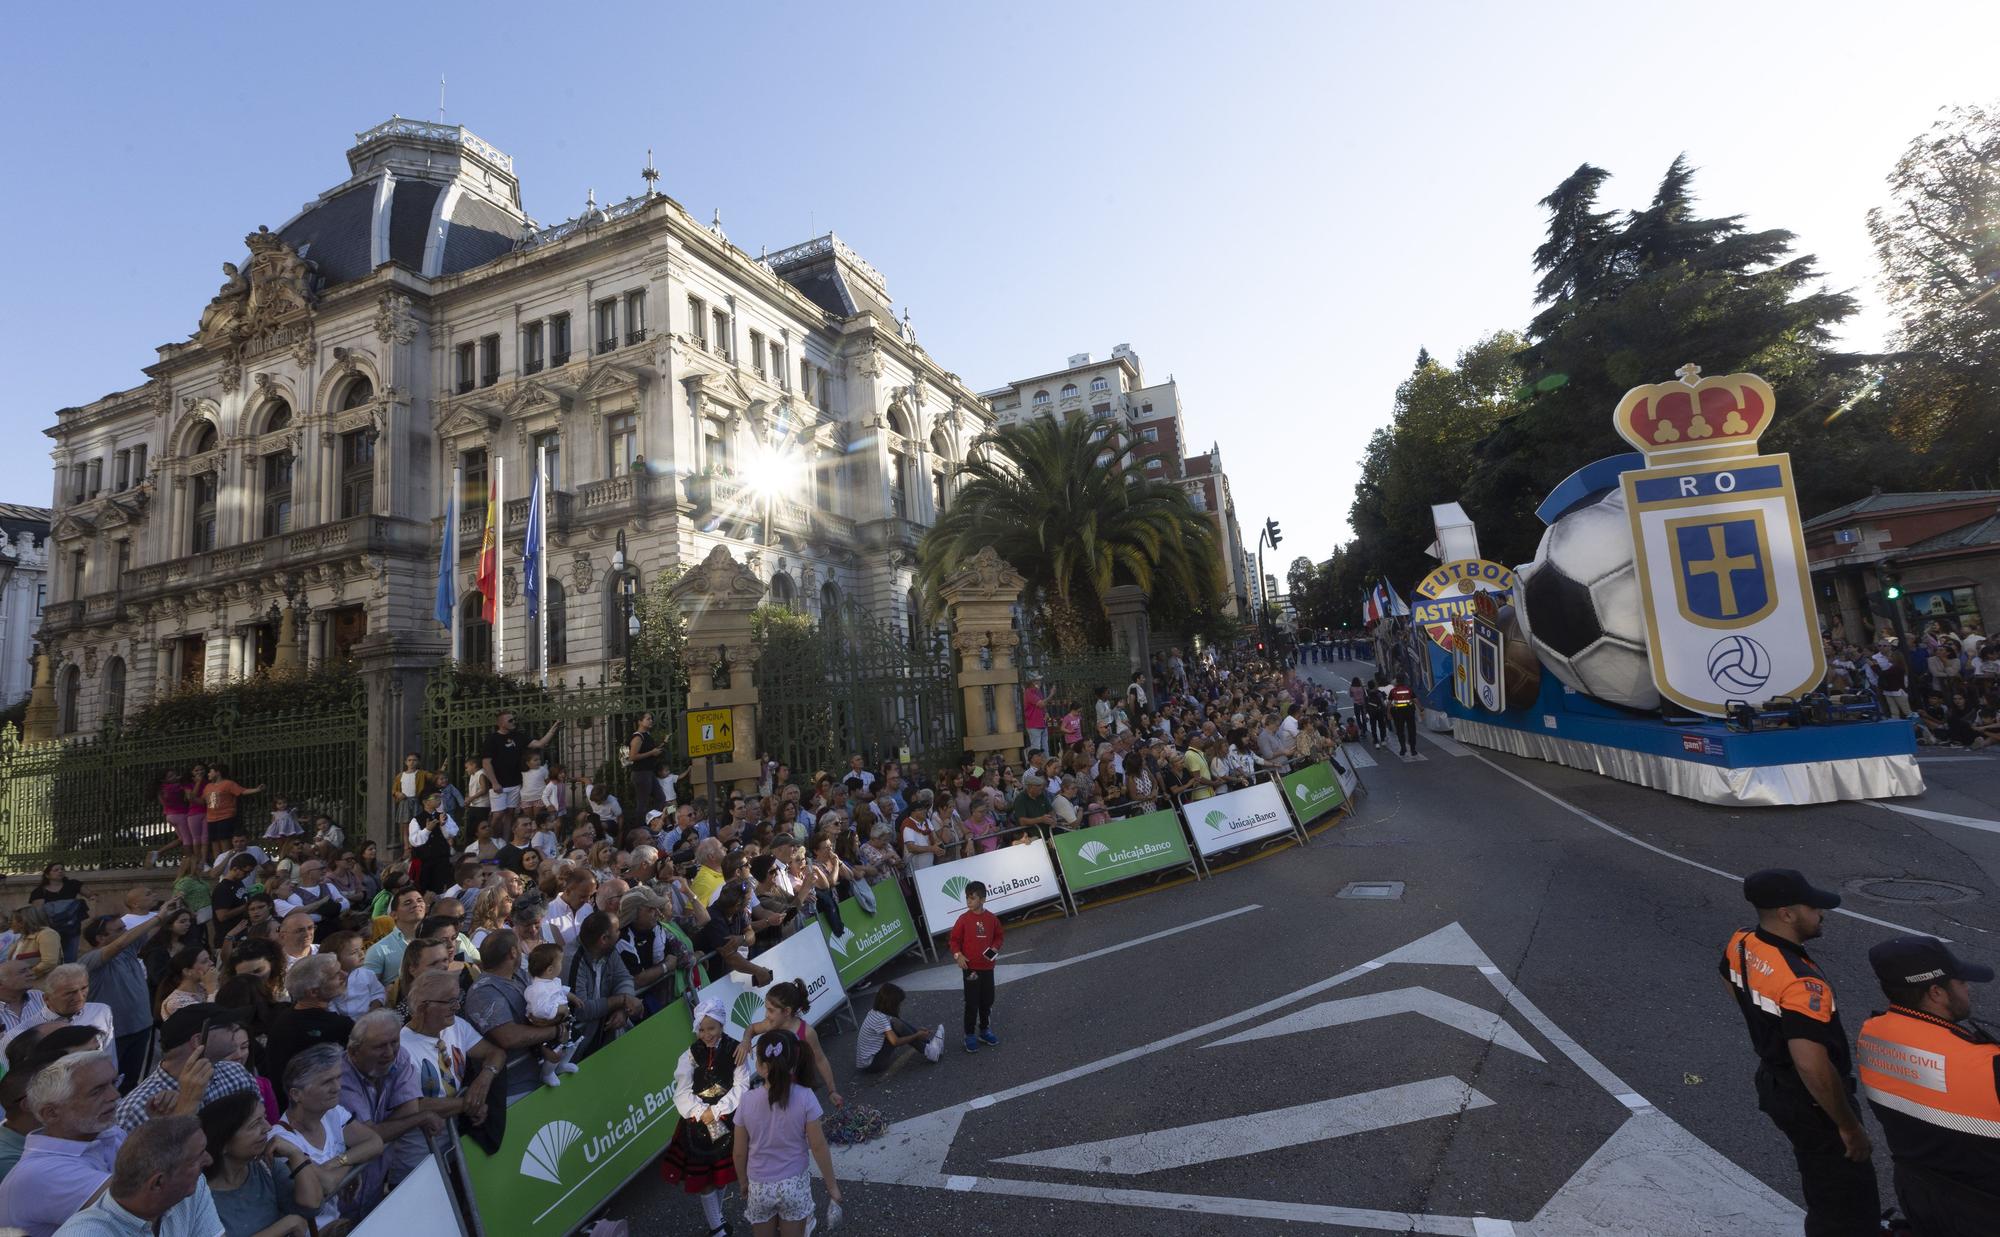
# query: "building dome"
x,y
434,198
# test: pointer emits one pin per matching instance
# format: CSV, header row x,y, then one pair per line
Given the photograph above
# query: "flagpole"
x,y
451,516
542,562
499,564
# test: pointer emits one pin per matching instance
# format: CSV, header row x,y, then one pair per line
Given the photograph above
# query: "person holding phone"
x,y
975,946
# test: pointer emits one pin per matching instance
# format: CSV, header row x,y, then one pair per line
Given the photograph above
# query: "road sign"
x,y
710,732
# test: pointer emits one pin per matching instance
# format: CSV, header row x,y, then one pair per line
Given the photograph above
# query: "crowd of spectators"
x,y
275,1039
1944,678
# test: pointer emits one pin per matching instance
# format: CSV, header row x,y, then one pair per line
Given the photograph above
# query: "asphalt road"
x,y
1531,1040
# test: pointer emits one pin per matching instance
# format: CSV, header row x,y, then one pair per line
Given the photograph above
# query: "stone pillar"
x,y
393,672
1125,605
40,723
718,598
982,596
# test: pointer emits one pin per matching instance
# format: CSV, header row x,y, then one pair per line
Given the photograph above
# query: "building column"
x,y
393,673
718,597
982,596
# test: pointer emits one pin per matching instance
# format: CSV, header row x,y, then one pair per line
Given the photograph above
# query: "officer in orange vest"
x,y
1934,1083
1804,1076
1403,713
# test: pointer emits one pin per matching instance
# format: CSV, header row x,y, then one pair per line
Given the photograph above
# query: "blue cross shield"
x,y
1722,569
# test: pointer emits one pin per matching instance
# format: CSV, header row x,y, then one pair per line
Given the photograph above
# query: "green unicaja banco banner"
x,y
1118,849
870,940
569,1148
1313,791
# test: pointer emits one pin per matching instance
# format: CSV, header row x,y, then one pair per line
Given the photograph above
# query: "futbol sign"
x,y
1449,593
1721,556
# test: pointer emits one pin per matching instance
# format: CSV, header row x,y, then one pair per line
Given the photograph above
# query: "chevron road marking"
x,y
1651,1178
1474,1021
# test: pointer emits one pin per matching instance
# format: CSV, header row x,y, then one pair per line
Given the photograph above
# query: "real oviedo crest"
x,y
1720,553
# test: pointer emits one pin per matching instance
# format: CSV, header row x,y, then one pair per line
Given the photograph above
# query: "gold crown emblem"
x,y
1710,416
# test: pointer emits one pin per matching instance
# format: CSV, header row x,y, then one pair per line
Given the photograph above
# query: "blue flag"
x,y
531,549
447,585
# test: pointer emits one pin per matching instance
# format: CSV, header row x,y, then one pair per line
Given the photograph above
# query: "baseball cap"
x,y
1772,888
1904,960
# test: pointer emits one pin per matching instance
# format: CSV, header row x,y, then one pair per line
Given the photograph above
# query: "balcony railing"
x,y
607,345
559,359
464,385
636,337
472,521
531,367
355,535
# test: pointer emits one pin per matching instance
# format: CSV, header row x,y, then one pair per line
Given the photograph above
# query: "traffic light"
x,y
1271,532
1892,585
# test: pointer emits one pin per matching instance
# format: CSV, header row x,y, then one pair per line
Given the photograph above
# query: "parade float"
x,y
1664,633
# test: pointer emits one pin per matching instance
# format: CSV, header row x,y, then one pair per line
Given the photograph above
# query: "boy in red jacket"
x,y
975,943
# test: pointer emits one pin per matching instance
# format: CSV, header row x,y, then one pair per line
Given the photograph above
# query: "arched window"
x,y
358,392
475,634
276,415
898,422
558,603
1069,390
783,593
1041,397
1100,383
114,690
204,439
67,700
829,603
913,608
202,491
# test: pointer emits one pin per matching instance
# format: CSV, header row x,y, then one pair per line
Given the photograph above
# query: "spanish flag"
x,y
489,560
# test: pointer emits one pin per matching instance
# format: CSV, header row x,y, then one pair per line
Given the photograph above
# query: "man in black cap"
x,y
193,1044
1805,1078
1934,1083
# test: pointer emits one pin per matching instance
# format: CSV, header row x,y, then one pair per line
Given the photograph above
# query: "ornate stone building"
x,y
283,474
24,590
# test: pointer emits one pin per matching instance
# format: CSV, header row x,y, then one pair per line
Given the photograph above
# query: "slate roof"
x,y
1984,532
1878,503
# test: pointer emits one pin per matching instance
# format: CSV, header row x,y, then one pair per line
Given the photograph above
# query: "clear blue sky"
x,y
1278,204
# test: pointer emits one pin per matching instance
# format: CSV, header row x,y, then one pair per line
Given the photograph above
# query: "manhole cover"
x,y
1380,891
1909,889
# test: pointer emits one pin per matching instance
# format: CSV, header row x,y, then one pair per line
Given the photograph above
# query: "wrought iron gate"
x,y
596,719
857,685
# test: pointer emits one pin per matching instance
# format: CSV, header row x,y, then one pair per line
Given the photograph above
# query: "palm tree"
x,y
1074,523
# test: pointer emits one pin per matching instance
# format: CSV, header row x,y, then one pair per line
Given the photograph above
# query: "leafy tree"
x,y
1073,527
1939,244
1425,454
1628,300
663,631
1298,579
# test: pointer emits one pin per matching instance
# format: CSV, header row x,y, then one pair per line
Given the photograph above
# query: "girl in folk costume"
x,y
709,1082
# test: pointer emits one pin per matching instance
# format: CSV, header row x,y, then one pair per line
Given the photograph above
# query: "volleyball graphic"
x,y
1739,664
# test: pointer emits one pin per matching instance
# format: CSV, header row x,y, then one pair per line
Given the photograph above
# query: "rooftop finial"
x,y
440,98
649,173
715,225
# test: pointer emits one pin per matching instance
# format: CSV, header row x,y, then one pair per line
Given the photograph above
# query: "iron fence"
x,y
93,801
857,685
592,721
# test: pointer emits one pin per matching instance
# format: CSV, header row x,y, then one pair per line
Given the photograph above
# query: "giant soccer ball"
x,y
1580,606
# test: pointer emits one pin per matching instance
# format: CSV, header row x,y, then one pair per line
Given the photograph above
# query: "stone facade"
x,y
298,451
24,585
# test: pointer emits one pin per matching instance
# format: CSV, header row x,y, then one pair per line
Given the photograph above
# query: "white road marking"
x,y
1357,755
1970,822
1616,832
1208,1141
946,978
1481,1024
1650,1179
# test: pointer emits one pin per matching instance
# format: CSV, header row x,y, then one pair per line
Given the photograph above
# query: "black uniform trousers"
x,y
1406,728
1941,1207
978,999
1842,1199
